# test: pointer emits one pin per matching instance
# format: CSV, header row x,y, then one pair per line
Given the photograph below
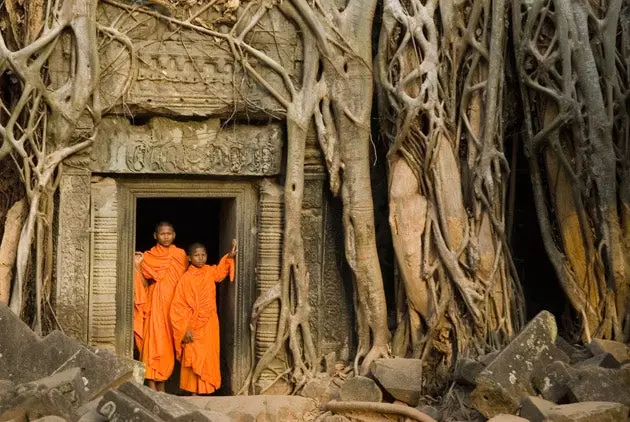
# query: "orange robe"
x,y
165,266
140,308
195,308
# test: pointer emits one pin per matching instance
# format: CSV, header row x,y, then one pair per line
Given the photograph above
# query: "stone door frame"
x,y
245,196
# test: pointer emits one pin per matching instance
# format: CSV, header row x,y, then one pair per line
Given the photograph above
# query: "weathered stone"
x,y
319,389
15,414
588,412
467,370
535,409
257,408
168,146
7,393
50,418
502,384
360,388
37,403
603,360
116,406
569,349
552,384
165,406
399,377
68,383
620,351
89,412
488,357
429,410
205,416
330,363
599,384
336,418
503,417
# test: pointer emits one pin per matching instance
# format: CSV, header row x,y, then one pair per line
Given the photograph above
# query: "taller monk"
x,y
162,266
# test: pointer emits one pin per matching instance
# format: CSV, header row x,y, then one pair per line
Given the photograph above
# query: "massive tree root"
x,y
572,59
39,129
440,99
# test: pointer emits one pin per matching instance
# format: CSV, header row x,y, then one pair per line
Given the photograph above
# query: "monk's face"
x,y
165,235
198,257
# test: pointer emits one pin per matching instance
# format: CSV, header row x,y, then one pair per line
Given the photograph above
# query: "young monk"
x,y
162,266
195,321
140,303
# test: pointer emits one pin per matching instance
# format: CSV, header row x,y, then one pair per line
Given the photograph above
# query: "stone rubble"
x,y
537,377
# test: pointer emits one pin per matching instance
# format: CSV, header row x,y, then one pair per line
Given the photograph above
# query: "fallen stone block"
x,y
101,369
467,370
399,377
620,351
320,389
592,383
503,417
603,360
165,406
68,383
116,406
588,412
507,379
35,404
360,388
535,409
552,385
205,416
257,408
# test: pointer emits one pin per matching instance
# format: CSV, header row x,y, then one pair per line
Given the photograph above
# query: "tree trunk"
x,y
8,248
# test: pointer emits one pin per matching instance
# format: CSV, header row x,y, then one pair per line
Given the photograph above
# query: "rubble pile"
x,y
537,377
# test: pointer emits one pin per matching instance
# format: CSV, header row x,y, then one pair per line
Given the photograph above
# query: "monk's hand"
x,y
232,253
188,337
138,257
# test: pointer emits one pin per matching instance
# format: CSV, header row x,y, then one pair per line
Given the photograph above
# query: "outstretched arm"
x,y
226,265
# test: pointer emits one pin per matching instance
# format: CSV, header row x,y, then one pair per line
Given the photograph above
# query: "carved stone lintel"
x,y
168,146
73,248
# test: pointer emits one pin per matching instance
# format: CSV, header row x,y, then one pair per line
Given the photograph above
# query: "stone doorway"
x,y
117,206
210,221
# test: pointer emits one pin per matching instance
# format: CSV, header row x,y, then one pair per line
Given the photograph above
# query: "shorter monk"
x,y
196,323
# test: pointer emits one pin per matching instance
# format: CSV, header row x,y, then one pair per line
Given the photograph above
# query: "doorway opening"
x,y
210,221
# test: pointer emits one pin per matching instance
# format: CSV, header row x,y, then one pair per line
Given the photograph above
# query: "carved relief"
x,y
73,252
270,229
186,72
104,247
167,146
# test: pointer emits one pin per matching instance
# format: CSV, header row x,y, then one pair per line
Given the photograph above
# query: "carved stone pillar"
x,y
270,229
73,252
103,264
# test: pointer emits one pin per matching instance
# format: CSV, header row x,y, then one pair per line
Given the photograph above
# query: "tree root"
x,y
389,408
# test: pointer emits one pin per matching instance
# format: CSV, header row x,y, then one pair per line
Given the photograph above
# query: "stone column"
x,y
73,251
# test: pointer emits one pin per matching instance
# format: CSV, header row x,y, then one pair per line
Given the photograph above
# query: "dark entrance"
x,y
206,220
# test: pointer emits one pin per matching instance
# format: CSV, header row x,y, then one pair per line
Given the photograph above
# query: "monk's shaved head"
x,y
163,224
192,248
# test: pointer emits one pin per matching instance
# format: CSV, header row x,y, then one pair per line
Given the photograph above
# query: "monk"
x,y
162,266
195,321
140,303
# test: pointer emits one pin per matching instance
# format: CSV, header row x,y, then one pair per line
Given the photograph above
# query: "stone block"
x,y
503,417
360,388
603,360
553,383
507,379
620,351
467,370
51,418
535,409
257,408
165,406
68,383
600,384
116,406
399,377
588,412
21,359
205,416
